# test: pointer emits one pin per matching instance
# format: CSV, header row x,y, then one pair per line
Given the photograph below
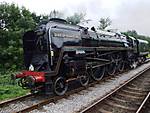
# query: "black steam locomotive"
x,y
56,53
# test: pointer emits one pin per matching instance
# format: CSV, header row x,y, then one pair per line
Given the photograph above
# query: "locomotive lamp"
x,y
31,68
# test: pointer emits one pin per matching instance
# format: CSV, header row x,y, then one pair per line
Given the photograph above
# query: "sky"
x,y
125,14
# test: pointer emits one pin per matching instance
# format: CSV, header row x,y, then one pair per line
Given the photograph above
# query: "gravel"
x,y
78,101
14,107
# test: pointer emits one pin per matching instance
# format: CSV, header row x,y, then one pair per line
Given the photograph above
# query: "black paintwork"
x,y
69,51
39,44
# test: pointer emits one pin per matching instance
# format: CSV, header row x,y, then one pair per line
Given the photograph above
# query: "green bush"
x,y
9,88
11,91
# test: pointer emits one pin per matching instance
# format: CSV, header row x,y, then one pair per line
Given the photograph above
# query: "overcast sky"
x,y
125,14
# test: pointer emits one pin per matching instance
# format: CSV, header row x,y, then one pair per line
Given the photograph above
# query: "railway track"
x,y
54,99
36,102
127,98
39,101
5,103
31,102
145,106
49,100
18,103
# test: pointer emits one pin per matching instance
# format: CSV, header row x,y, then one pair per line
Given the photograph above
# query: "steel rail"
x,y
52,99
44,102
143,103
4,103
115,90
56,98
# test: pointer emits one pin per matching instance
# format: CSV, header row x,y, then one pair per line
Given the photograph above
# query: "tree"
x,y
76,18
13,18
104,23
14,21
132,33
55,14
9,14
39,18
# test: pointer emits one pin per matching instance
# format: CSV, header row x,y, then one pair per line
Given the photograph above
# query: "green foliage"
x,y
55,14
9,91
9,88
11,49
5,79
104,23
131,33
14,21
136,35
16,18
39,18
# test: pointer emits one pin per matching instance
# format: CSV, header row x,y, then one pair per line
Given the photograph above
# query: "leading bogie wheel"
x,y
60,86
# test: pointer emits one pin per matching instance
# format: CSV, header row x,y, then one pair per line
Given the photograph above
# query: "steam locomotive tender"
x,y
56,53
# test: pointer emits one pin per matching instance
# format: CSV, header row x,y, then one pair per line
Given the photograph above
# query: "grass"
x,y
9,89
